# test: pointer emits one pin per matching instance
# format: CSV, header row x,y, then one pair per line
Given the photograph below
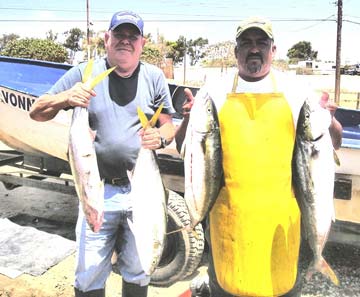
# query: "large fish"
x,y
82,158
313,180
202,158
84,168
148,197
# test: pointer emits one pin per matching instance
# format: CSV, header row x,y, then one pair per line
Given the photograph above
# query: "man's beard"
x,y
254,63
254,68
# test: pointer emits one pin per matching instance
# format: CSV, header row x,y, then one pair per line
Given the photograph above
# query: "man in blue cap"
x,y
112,109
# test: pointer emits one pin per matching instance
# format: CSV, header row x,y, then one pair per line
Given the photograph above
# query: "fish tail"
x,y
156,115
88,71
97,79
98,223
323,267
143,119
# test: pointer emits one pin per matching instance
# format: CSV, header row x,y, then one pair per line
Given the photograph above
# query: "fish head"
x,y
203,116
315,120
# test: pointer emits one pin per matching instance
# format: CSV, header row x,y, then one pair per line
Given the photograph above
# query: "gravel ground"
x,y
345,261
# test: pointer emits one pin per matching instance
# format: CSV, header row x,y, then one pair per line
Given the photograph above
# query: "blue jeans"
x,y
94,250
217,291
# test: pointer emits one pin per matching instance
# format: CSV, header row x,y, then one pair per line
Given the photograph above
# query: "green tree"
x,y
7,38
151,54
196,49
177,49
148,37
34,48
181,47
97,45
301,51
50,35
155,52
73,40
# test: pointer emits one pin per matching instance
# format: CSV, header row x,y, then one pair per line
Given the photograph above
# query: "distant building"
x,y
317,67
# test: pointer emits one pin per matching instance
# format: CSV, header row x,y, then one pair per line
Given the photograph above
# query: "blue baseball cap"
x,y
127,17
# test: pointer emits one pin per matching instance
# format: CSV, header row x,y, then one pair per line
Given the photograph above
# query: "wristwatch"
x,y
164,142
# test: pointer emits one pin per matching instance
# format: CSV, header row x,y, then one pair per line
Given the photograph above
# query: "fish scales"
x,y
313,179
202,158
149,217
84,168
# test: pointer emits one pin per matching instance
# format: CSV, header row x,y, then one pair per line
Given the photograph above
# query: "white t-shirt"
x,y
294,90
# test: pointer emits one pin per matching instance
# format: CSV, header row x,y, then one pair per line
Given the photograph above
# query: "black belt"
x,y
118,181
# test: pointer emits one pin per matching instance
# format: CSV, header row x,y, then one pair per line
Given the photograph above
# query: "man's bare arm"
x,y
47,106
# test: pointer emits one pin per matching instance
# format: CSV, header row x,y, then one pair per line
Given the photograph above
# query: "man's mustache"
x,y
254,56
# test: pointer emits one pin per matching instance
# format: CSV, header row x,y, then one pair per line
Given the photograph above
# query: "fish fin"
x,y
156,115
192,230
336,158
92,134
131,225
94,217
182,151
196,235
88,71
187,228
97,79
323,267
130,174
145,123
102,184
143,119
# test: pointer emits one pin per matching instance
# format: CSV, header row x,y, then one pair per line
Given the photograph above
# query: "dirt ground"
x,y
58,280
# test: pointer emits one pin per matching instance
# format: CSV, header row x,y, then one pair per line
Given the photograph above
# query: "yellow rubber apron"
x,y
255,222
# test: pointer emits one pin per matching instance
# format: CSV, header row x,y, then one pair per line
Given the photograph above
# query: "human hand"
x,y
335,128
150,138
79,95
325,103
186,108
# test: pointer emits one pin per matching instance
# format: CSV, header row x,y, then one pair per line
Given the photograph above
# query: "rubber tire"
x,y
183,250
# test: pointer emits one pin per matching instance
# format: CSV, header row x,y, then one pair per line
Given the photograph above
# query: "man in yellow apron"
x,y
254,226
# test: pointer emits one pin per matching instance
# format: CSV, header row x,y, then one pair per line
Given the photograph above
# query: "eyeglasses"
x,y
130,37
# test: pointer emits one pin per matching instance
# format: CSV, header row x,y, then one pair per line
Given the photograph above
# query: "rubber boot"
x,y
93,293
133,290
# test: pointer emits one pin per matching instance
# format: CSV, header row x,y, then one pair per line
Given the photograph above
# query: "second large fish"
x,y
313,179
148,197
202,158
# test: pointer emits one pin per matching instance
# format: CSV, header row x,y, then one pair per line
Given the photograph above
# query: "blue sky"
x,y
293,20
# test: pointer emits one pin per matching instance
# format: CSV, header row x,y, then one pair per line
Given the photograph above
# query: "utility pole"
x,y
338,52
88,29
184,79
